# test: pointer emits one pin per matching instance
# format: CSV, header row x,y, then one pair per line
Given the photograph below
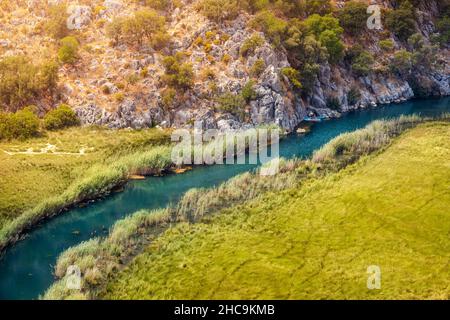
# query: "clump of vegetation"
x,y
402,21
386,45
401,63
232,103
21,81
168,97
362,61
293,76
178,74
68,53
353,17
61,117
443,27
248,91
251,44
258,68
23,124
219,10
274,28
56,23
144,26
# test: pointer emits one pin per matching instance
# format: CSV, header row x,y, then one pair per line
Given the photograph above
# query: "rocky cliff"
x,y
119,86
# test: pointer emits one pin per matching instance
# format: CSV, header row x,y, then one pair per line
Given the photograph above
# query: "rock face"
x,y
275,101
79,16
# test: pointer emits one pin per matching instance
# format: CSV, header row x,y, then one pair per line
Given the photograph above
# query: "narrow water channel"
x,y
26,268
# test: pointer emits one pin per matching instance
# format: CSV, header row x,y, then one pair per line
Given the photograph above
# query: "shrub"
x,y
317,24
443,27
168,97
386,45
21,81
219,10
273,27
258,68
321,7
293,76
353,17
362,64
178,73
250,44
23,124
56,23
335,48
248,93
68,53
353,96
232,103
401,21
146,24
61,117
401,63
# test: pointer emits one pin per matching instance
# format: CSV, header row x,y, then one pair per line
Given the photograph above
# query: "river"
x,y
26,268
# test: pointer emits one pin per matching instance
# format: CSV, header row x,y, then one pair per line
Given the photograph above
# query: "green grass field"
x,y
26,180
317,241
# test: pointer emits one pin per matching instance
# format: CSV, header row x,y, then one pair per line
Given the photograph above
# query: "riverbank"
x,y
42,177
317,240
100,259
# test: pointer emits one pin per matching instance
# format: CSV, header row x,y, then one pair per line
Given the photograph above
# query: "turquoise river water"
x,y
26,268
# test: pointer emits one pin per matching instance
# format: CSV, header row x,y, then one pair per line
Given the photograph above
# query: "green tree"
x,y
362,64
401,63
274,28
219,10
21,81
401,21
144,25
335,48
353,17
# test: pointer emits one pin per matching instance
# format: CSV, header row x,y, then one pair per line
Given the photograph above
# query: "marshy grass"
x,y
129,236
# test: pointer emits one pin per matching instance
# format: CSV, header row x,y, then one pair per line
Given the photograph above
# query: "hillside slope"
x,y
288,69
316,242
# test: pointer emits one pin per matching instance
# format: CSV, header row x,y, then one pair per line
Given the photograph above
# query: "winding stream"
x,y
26,268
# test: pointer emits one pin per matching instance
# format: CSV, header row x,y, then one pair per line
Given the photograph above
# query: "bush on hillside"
x,y
68,53
274,28
232,103
21,81
23,124
219,10
144,25
293,76
353,17
401,63
251,44
248,92
401,21
178,74
56,23
61,117
362,64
